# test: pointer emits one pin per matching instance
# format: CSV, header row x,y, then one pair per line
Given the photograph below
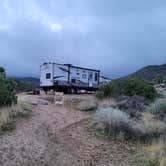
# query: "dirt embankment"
x,y
59,136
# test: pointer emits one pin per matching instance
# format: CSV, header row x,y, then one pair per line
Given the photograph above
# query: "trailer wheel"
x,y
45,90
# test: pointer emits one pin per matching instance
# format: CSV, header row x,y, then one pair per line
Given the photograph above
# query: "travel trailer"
x,y
67,77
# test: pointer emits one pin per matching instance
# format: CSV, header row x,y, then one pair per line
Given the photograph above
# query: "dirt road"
x,y
59,136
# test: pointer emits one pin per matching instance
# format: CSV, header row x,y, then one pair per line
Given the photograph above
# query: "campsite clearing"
x,y
59,136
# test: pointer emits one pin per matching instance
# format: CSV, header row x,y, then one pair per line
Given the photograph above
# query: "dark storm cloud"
x,y
115,36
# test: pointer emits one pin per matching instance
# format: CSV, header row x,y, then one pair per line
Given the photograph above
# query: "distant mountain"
x,y
29,79
149,72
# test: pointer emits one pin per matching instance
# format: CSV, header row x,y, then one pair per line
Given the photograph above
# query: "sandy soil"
x,y
59,136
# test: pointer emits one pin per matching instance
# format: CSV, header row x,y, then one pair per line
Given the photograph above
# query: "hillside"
x,y
149,72
29,80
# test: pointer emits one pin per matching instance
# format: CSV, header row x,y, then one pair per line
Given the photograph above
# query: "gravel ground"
x,y
59,136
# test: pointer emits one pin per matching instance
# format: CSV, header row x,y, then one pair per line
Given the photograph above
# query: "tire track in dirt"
x,y
59,136
78,146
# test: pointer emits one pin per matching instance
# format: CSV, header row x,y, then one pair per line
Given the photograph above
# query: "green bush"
x,y
159,79
7,90
129,87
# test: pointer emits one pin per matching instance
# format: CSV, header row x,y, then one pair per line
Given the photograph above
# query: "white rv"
x,y
65,77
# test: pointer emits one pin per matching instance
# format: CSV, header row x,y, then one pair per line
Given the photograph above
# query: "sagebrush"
x,y
157,107
115,123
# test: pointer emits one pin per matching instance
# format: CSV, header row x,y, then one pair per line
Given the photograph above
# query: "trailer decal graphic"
x,y
57,77
63,69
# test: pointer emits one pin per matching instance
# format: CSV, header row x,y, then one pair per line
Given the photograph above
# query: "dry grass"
x,y
152,155
72,102
8,115
153,124
4,116
87,105
5,122
20,111
81,102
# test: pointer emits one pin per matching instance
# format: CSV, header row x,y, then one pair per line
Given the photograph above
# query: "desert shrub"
x,y
87,105
100,94
108,102
114,122
163,93
157,107
131,102
152,128
159,79
128,87
7,90
133,105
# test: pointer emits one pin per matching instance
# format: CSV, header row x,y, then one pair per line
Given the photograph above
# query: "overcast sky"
x,y
115,36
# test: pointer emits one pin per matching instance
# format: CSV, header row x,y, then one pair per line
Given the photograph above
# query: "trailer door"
x,y
90,79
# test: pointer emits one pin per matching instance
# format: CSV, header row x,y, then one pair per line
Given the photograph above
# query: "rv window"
x,y
96,76
73,80
83,75
48,75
